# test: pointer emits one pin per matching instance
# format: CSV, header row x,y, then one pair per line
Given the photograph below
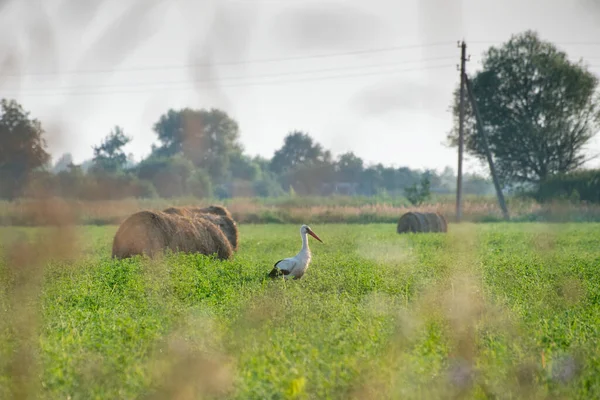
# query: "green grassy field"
x,y
485,311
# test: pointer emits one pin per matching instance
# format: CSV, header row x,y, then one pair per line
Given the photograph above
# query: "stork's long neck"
x,y
305,249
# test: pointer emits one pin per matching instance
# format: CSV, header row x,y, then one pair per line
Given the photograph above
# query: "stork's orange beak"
x,y
311,233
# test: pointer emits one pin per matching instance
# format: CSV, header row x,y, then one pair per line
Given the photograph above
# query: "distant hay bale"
x,y
422,222
218,215
411,222
152,232
436,222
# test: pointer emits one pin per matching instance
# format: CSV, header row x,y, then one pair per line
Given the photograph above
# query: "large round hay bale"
x,y
443,223
218,215
152,232
227,226
417,222
216,210
182,211
436,222
212,209
411,222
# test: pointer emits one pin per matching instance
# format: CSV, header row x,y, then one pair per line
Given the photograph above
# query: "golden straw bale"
x,y
227,226
218,215
216,210
212,209
151,232
182,211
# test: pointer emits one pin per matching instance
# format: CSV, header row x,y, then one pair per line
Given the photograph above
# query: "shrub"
x,y
577,186
144,189
417,194
268,186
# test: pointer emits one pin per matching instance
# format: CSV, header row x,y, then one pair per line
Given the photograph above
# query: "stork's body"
x,y
295,267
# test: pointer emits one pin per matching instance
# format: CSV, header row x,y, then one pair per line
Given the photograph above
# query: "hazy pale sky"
x,y
375,77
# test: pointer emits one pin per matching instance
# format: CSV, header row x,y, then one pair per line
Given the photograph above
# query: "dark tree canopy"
x,y
109,156
22,148
170,175
208,138
298,150
538,108
243,167
349,167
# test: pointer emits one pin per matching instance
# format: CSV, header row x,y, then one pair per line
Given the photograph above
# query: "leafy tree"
x,y
243,167
22,148
447,180
388,175
41,183
146,190
262,163
298,149
372,181
406,177
581,185
268,186
478,185
169,175
208,138
308,179
109,155
199,184
539,110
433,179
349,167
71,181
379,178
417,194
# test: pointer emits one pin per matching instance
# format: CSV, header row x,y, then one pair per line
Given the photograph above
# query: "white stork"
x,y
295,267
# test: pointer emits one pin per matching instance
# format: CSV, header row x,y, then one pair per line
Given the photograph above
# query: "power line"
x,y
276,75
239,62
193,86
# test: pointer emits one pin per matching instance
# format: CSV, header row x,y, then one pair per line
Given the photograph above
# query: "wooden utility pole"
x,y
461,123
486,147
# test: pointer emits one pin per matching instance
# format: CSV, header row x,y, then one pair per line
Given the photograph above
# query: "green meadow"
x,y
498,310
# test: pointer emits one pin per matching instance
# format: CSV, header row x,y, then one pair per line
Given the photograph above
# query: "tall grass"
x,y
334,209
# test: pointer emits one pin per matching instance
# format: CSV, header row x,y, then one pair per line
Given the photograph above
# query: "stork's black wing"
x,y
276,272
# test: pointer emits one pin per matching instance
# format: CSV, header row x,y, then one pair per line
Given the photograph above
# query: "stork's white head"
x,y
304,229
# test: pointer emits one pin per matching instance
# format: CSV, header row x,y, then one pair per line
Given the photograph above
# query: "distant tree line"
x,y
539,109
199,154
